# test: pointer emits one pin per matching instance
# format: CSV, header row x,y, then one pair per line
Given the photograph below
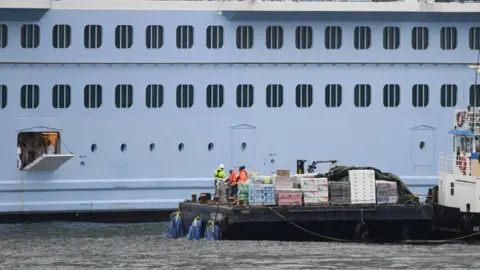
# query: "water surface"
x,y
145,246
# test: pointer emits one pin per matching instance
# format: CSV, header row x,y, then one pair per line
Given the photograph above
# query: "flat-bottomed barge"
x,y
314,223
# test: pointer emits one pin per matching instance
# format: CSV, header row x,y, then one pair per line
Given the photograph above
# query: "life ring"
x,y
462,164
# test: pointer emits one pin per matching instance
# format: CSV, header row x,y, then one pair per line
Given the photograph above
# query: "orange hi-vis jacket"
x,y
243,176
232,180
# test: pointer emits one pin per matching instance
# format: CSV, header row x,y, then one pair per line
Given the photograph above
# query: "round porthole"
x,y
210,146
93,148
243,146
180,147
151,147
123,147
421,145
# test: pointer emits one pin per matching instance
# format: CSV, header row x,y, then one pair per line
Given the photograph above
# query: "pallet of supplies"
x,y
315,197
315,190
297,178
289,197
261,194
283,182
387,192
339,192
362,186
308,184
243,190
261,180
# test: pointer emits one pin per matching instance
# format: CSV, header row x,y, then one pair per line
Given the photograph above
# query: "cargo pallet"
x,y
384,223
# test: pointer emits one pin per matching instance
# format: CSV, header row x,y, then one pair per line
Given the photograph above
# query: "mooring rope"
x,y
347,240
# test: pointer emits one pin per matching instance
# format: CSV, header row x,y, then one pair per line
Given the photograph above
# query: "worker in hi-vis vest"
x,y
232,181
242,175
219,174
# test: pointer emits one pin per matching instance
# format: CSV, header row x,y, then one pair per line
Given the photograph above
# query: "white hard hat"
x,y
221,166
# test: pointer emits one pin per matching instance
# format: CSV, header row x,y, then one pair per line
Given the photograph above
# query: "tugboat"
x,y
456,199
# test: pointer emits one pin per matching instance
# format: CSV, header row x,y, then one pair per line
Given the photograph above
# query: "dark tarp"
x,y
340,173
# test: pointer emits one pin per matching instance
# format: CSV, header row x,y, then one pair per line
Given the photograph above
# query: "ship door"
x,y
242,146
423,145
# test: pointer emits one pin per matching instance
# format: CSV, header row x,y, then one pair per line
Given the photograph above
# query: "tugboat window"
x,y
422,145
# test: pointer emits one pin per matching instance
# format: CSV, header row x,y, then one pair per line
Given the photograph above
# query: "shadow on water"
x,y
63,245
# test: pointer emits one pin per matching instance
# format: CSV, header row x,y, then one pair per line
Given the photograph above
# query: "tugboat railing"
x,y
454,164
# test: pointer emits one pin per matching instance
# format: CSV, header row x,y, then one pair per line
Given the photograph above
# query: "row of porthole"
x,y
180,147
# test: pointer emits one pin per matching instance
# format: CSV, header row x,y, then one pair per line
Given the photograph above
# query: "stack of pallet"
x,y
261,180
243,191
387,192
261,194
285,191
362,186
315,190
339,192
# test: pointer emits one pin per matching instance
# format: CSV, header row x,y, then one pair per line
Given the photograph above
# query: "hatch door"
x,y
48,162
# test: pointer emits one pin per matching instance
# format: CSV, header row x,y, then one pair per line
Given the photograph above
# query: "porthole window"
x,y
180,147
93,148
210,146
152,147
243,146
422,145
123,147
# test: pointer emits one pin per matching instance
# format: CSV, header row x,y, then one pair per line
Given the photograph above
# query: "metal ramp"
x,y
48,162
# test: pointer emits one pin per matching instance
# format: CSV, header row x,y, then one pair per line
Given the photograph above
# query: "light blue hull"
x,y
108,179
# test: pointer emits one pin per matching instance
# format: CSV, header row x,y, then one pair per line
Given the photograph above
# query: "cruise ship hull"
x,y
279,89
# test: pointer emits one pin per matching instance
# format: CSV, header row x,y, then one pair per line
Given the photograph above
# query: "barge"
x,y
314,223
344,204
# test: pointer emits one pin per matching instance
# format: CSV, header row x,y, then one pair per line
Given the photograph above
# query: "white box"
x,y
308,184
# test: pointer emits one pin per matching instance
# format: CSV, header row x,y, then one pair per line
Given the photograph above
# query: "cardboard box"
x,y
283,172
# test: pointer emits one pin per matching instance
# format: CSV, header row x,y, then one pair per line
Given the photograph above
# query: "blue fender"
x,y
175,229
195,230
212,232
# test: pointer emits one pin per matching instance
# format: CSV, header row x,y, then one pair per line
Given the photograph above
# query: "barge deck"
x,y
314,223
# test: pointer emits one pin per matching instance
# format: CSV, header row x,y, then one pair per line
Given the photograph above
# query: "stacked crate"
x,y
362,186
261,180
261,194
315,190
284,187
243,191
387,192
339,192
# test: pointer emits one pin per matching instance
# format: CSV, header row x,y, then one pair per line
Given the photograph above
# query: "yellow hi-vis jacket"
x,y
219,174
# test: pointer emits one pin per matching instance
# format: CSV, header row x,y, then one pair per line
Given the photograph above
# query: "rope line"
x,y
347,240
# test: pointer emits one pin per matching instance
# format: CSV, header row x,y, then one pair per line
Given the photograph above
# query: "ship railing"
x,y
454,164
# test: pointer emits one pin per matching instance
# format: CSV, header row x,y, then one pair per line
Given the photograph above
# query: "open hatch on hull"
x,y
48,162
39,149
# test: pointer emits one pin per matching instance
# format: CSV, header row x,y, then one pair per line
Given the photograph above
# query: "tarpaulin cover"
x,y
340,173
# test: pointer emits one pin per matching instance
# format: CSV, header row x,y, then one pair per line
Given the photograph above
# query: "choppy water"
x,y
144,246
